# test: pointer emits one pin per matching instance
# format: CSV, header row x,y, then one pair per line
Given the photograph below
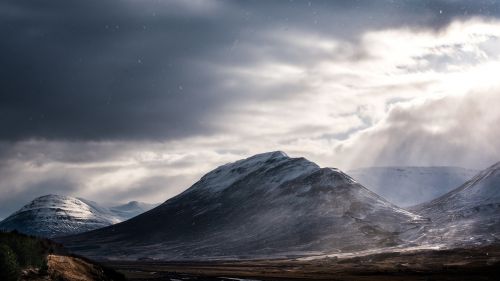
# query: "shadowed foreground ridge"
x,y
268,205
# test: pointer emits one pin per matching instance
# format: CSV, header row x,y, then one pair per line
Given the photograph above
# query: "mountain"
x,y
56,215
469,214
268,205
408,186
131,209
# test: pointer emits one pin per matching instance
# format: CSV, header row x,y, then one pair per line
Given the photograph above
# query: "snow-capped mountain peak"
x,y
226,175
55,215
74,207
265,205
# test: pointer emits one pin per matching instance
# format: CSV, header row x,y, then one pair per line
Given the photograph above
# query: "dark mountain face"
x,y
267,205
469,214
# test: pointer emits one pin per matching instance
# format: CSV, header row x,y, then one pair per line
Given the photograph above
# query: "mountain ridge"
x,y
469,214
267,205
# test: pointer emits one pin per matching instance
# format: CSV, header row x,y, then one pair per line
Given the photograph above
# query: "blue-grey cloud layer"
x,y
135,100
107,70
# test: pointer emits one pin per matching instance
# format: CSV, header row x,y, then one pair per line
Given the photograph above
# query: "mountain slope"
x,y
409,186
468,214
266,205
55,215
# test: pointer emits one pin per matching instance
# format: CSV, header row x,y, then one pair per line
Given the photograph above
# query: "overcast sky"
x,y
135,100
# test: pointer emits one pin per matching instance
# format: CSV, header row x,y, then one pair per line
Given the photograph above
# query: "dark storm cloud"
x,y
106,70
93,72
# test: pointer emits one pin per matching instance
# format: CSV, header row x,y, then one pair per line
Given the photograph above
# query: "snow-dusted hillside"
x,y
408,186
469,214
55,215
268,205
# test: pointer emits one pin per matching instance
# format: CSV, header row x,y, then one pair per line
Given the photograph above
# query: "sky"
x,y
135,100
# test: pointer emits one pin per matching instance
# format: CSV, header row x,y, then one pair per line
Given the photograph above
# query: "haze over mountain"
x,y
268,205
407,186
56,215
131,209
469,214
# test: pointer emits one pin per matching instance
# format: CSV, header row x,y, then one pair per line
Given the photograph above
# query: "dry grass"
x,y
460,264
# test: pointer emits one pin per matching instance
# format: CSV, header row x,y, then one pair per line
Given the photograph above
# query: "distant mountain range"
x,y
131,209
273,206
56,215
262,206
408,186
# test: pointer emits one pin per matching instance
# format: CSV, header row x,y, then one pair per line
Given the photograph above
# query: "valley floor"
x,y
458,264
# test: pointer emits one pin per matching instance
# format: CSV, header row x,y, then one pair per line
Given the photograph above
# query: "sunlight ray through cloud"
x,y
155,94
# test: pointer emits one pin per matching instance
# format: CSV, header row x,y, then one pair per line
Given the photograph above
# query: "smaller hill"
x,y
55,215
